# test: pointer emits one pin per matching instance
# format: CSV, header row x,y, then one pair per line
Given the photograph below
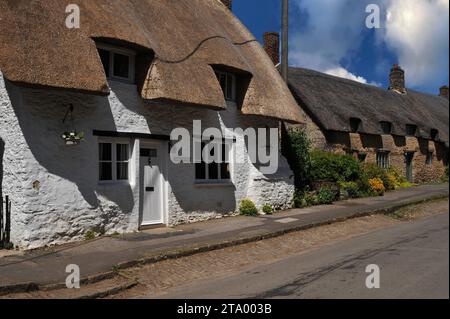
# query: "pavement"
x,y
413,259
97,259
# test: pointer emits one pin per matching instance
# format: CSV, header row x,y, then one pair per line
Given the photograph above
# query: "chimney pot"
x,y
228,4
397,79
272,46
443,91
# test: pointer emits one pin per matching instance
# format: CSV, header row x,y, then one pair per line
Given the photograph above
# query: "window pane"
x,y
213,171
105,57
200,171
121,65
225,171
229,95
105,170
105,152
122,152
122,171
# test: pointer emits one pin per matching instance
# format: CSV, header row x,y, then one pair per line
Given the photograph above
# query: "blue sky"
x,y
331,36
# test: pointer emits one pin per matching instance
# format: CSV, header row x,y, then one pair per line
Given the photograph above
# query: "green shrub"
x,y
334,167
295,146
267,209
248,208
371,171
304,198
351,188
325,196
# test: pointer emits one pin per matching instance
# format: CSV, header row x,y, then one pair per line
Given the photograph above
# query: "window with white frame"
x,y
118,63
114,160
227,82
214,171
383,159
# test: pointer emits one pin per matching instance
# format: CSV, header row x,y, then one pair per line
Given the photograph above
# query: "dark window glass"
x,y
411,130
122,157
229,94
225,171
355,125
383,159
105,152
105,57
386,127
434,134
105,169
200,171
121,65
122,152
213,171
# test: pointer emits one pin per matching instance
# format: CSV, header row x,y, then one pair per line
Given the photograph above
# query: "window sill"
x,y
113,183
213,183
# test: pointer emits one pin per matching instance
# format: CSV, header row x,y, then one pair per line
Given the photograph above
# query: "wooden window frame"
x,y
114,161
131,67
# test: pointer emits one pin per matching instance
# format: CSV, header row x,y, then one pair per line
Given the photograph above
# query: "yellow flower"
x,y
377,186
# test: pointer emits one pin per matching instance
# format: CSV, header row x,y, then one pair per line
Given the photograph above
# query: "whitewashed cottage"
x,y
132,72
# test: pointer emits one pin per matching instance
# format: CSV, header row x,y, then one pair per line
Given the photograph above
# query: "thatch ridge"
x,y
186,37
332,101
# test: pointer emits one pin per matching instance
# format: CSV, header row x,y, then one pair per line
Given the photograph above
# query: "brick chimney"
x,y
397,79
272,46
228,4
443,91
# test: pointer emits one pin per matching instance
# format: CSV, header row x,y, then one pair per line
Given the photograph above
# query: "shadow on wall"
x,y
193,199
40,114
2,151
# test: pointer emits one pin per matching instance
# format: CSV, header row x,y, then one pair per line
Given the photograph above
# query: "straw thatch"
x,y
183,38
333,101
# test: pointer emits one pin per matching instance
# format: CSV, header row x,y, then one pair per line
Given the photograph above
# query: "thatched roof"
x,y
333,101
185,37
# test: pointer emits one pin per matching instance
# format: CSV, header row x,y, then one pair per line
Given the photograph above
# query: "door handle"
x,y
149,189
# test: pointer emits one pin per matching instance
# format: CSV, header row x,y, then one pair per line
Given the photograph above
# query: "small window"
x,y
386,127
411,130
429,160
214,171
117,63
383,159
113,161
228,84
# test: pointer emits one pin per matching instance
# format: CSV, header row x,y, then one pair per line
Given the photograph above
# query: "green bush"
x,y
334,167
267,209
325,196
295,146
351,188
304,198
248,208
371,171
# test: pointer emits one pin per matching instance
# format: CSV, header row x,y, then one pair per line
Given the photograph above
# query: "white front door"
x,y
152,183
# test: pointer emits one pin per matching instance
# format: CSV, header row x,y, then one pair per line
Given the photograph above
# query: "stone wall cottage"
x,y
398,127
132,72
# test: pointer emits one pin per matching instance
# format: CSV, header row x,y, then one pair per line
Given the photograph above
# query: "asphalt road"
x,y
413,259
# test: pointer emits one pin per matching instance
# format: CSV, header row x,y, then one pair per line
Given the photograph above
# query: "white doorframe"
x,y
162,147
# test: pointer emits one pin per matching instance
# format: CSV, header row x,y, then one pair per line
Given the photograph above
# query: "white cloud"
x,y
417,31
332,33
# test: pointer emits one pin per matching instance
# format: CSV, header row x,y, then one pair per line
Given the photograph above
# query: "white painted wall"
x,y
70,200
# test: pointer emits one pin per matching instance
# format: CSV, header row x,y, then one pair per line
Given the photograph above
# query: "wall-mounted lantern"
x,y
71,136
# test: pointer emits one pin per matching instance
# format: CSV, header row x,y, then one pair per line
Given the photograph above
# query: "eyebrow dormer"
x,y
434,134
234,83
386,127
411,130
355,124
118,62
